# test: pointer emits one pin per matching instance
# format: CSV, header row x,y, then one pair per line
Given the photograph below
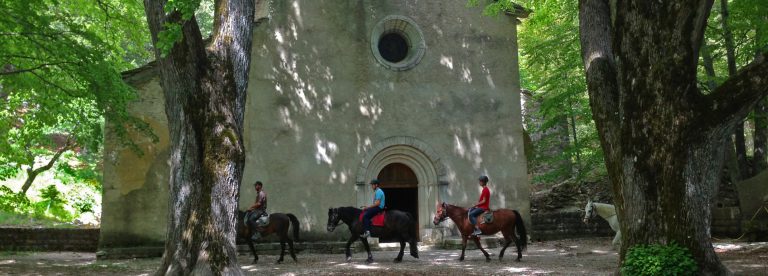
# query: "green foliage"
x,y
87,170
172,30
659,259
552,69
12,202
60,64
52,204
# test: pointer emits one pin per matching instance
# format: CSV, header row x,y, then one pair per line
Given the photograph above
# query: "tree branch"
x,y
38,67
733,99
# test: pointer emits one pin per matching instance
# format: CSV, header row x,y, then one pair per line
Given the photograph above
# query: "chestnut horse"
x,y
504,220
278,224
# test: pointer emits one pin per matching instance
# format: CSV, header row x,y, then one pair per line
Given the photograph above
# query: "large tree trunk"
x,y
661,136
204,88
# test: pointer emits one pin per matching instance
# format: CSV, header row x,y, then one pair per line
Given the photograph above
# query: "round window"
x,y
397,43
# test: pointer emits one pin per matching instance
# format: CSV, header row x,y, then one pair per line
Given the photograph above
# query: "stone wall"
x,y
48,239
563,225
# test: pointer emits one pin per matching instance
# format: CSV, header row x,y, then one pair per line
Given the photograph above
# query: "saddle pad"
x,y
377,220
487,217
262,221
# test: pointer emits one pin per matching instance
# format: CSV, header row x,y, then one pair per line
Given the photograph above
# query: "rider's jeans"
x,y
369,213
473,213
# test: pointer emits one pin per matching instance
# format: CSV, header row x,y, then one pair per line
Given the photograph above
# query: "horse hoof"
x,y
517,260
369,260
461,259
349,259
279,262
415,255
397,260
255,261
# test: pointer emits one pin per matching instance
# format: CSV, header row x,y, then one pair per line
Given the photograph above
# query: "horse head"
x,y
589,211
441,214
334,219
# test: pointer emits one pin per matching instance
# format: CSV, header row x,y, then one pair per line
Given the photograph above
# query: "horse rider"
x,y
257,210
371,211
482,204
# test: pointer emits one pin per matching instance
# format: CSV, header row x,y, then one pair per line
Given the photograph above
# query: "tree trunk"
x,y
730,54
661,136
204,88
33,173
730,166
760,136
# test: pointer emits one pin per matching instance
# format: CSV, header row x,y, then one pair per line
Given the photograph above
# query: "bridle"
x,y
443,215
335,216
590,213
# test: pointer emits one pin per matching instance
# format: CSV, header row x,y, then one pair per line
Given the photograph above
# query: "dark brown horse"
x,y
504,220
278,223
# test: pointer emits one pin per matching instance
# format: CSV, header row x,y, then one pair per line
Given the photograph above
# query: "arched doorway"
x,y
422,163
400,187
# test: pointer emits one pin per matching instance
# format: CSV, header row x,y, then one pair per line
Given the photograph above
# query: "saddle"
x,y
262,220
377,220
486,217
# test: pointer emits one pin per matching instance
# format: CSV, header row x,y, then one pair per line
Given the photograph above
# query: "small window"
x,y
397,43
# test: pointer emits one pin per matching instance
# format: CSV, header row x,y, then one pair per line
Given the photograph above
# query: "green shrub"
x,y
659,259
52,205
13,202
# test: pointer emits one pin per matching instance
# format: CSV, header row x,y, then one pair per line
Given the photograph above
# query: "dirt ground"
x,y
564,257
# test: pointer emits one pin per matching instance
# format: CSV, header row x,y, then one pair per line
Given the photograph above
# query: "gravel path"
x,y
565,257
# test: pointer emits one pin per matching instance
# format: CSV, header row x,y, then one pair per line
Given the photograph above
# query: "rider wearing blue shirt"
x,y
372,210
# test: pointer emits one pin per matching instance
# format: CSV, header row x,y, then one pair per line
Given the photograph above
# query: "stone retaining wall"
x,y
566,225
48,239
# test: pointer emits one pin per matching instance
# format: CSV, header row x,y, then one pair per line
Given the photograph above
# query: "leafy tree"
x,y
553,71
204,83
60,64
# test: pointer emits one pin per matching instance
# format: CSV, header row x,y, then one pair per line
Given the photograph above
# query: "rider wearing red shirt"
x,y
481,206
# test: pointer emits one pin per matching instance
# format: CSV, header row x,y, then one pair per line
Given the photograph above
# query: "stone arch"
x,y
420,158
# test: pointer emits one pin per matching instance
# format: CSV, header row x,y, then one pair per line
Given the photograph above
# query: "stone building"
x,y
423,95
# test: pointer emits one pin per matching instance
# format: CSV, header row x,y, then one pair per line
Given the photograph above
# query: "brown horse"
x,y
278,224
504,220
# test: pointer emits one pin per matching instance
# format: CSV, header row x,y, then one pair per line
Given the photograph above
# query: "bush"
x,y
12,202
659,259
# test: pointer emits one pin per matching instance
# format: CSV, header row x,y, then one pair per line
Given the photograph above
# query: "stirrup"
x,y
477,232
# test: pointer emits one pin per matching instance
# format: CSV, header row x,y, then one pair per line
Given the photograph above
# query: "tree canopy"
x,y
60,75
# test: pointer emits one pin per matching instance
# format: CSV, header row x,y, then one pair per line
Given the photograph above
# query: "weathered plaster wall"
x,y
135,191
320,107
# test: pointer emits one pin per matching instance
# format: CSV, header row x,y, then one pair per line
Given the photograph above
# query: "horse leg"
x,y
282,250
463,247
253,250
617,240
367,249
507,241
479,246
402,248
352,239
293,252
414,247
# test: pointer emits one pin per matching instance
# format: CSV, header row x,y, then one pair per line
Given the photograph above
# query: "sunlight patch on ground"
x,y
6,262
367,267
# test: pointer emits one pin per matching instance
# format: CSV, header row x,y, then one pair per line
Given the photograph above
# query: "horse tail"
x,y
413,223
521,230
294,225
